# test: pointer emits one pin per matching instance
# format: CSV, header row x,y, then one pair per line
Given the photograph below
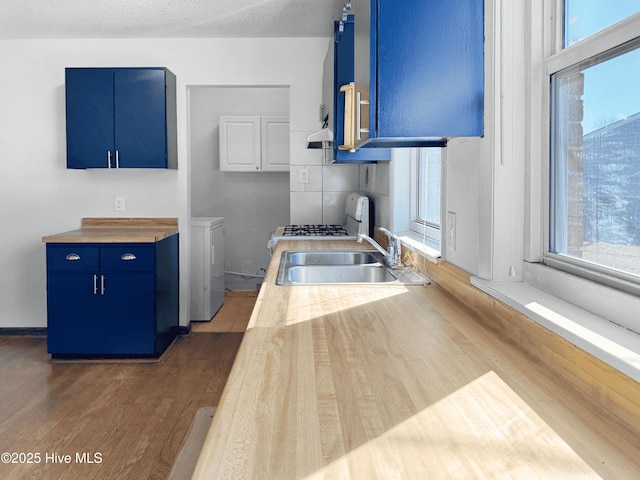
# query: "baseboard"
x,y
36,332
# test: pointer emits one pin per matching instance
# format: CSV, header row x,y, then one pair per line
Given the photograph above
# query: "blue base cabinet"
x,y
121,118
112,300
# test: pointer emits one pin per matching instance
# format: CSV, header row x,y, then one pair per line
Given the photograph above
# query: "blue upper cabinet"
x,y
419,72
121,118
343,72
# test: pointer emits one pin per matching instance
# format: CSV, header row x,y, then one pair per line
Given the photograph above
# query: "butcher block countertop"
x,y
395,382
118,230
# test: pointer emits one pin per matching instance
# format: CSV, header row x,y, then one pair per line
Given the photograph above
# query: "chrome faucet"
x,y
393,247
392,254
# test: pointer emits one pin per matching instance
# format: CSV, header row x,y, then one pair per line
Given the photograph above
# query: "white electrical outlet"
x,y
304,175
451,230
118,204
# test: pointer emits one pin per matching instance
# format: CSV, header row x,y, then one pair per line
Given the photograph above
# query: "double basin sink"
x,y
342,267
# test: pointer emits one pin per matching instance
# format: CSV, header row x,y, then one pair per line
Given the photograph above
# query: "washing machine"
x,y
207,267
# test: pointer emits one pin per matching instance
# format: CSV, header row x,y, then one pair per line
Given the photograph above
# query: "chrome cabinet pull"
x,y
72,257
95,284
117,159
101,284
127,257
109,158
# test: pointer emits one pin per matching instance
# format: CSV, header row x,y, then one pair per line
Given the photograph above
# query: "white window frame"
x,y
402,174
592,316
428,231
559,59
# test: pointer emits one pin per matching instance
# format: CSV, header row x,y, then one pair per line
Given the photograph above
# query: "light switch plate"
x,y
118,204
304,175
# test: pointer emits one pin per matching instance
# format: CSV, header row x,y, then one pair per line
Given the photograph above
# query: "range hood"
x,y
319,138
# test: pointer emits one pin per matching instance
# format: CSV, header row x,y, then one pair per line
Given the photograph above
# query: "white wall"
x,y
485,176
39,196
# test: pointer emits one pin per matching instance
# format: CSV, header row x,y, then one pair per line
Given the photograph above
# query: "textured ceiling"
x,y
167,18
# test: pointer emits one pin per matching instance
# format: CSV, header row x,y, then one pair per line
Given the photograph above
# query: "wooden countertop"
x,y
118,230
375,382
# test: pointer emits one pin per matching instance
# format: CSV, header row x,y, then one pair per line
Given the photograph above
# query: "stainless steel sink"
x,y
341,267
312,275
333,258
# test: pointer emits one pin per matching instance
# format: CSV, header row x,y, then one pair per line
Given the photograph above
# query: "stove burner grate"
x,y
309,230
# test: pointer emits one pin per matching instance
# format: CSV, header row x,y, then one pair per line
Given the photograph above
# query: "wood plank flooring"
x,y
234,314
128,417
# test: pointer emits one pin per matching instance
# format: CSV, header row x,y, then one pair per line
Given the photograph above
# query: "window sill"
x,y
608,341
421,245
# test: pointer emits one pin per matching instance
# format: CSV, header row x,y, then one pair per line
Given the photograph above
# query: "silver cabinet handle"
x,y
109,158
127,257
117,159
72,257
95,284
101,284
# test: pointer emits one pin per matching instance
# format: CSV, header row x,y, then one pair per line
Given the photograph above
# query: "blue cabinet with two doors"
x,y
121,118
112,299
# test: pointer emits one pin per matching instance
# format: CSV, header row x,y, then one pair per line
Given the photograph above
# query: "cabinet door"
x,y
74,324
343,69
421,67
90,117
128,313
239,143
275,143
430,69
140,118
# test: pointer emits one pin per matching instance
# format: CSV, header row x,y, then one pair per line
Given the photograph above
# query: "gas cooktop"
x,y
315,231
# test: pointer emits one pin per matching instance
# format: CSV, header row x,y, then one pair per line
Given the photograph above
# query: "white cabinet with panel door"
x,y
275,144
254,143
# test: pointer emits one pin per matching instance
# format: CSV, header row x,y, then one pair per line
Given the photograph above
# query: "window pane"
x,y
429,186
583,18
596,163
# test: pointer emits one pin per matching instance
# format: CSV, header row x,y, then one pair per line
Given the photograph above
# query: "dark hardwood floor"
x,y
108,420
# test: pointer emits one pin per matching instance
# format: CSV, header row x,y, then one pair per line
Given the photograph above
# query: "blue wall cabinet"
x,y
343,74
121,118
112,299
419,71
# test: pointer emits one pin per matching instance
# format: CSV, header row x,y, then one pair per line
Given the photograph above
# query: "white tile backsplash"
x,y
374,182
306,207
315,178
333,207
322,199
380,204
340,178
374,178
